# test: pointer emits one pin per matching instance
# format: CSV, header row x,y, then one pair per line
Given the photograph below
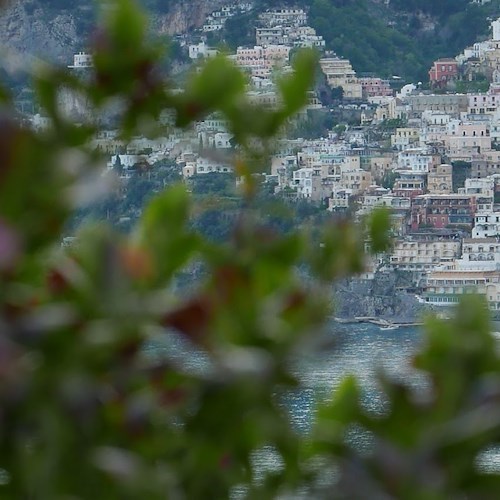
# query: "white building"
x,y
480,187
476,51
482,103
201,50
201,165
403,138
81,60
339,199
480,253
486,224
126,160
495,126
416,160
40,122
287,17
213,123
302,181
495,28
381,197
468,137
477,271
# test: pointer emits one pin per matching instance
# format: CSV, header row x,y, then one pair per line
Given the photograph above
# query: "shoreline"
x,y
384,324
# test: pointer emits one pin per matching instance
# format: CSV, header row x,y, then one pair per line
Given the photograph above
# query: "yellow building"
x,y
444,287
423,255
339,73
439,179
405,137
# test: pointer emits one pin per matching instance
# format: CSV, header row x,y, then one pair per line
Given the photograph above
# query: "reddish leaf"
x,y
229,279
10,246
57,282
191,319
173,397
137,262
10,134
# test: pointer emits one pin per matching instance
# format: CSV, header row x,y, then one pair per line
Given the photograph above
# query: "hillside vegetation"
x,y
402,38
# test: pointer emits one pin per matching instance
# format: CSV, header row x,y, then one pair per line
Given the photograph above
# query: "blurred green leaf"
x,y
163,232
117,382
216,86
379,230
294,89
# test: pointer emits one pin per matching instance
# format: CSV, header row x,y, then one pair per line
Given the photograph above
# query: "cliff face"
x,y
380,298
32,27
185,15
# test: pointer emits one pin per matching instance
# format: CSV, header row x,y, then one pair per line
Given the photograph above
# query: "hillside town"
x,y
429,151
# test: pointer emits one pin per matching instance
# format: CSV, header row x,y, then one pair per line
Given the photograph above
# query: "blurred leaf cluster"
x,y
87,411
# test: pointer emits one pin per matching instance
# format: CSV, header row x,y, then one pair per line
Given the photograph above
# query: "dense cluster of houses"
x,y
438,169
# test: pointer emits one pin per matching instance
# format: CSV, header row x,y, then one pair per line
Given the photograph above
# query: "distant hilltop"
x,y
55,29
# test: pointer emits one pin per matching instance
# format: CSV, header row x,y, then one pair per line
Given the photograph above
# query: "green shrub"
x,y
86,412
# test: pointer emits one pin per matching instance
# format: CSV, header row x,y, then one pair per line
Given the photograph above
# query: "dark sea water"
x,y
363,350
359,349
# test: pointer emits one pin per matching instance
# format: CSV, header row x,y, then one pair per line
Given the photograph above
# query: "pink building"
x,y
260,60
442,72
468,137
375,87
442,210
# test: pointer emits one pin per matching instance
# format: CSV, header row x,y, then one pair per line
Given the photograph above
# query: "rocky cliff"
x,y
184,16
39,28
30,29
380,298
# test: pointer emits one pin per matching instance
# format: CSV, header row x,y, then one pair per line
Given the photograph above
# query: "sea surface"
x,y
359,349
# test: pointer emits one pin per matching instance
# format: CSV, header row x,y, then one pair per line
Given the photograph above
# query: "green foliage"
x,y
87,411
391,41
379,228
213,183
392,124
123,206
461,171
388,179
316,123
240,30
475,86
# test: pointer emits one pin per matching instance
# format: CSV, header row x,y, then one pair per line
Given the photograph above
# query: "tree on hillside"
x,y
386,40
461,171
